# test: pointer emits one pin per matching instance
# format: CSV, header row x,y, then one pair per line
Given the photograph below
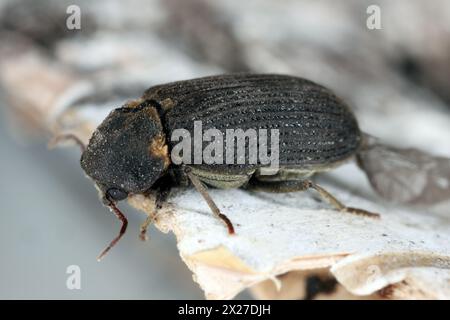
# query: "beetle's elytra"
x,y
129,153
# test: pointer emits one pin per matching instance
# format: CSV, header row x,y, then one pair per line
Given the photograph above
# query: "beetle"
x,y
129,152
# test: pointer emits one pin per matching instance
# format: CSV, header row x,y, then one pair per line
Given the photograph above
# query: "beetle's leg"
x,y
277,186
64,137
161,196
293,185
337,204
204,192
144,226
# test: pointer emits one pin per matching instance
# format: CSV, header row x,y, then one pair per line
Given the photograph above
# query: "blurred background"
x,y
390,60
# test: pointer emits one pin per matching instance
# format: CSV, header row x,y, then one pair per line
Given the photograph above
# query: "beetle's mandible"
x,y
129,153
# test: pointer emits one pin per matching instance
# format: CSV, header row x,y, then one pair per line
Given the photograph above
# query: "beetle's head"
x,y
127,153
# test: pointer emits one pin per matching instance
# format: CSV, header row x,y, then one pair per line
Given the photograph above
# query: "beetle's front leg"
x,y
163,187
303,185
144,226
200,187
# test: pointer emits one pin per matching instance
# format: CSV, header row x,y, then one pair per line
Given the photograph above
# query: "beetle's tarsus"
x,y
228,223
112,206
199,186
143,229
361,212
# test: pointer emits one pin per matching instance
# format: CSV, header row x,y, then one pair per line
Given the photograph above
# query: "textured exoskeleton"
x,y
129,153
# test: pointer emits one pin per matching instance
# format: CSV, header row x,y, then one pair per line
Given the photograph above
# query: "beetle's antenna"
x,y
64,137
112,206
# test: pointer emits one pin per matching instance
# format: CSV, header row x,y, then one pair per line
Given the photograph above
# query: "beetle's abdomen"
x,y
315,127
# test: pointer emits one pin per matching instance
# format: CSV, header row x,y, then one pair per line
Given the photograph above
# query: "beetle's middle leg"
x,y
204,192
303,185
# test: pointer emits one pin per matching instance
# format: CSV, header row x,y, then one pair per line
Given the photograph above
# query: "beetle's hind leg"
x,y
204,192
337,204
303,185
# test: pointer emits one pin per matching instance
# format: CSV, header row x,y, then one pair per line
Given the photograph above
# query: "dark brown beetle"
x,y
129,152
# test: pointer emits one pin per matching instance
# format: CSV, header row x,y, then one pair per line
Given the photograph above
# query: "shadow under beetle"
x,y
129,152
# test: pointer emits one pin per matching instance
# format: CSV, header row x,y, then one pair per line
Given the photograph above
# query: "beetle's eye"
x,y
116,194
